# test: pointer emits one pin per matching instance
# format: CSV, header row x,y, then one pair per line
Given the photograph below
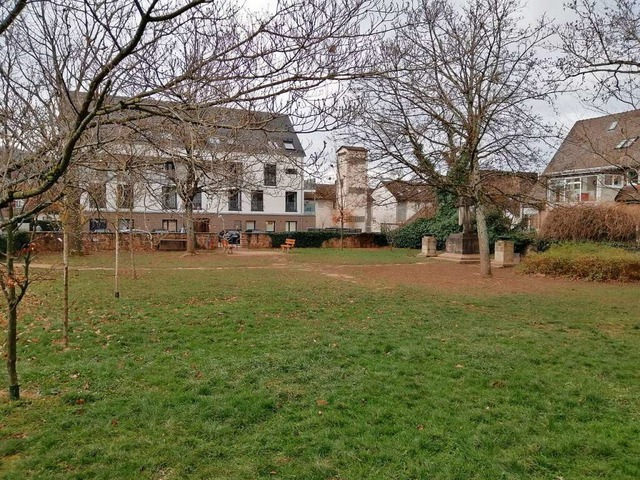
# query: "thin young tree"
x,y
66,67
49,50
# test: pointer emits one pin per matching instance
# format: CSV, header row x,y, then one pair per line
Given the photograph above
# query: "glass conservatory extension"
x,y
585,188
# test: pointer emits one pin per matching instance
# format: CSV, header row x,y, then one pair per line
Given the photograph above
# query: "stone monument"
x,y
463,247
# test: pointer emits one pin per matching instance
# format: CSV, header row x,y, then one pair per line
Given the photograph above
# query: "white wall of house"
x,y
148,189
324,214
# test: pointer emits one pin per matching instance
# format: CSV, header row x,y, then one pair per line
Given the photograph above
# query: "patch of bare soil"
x,y
452,277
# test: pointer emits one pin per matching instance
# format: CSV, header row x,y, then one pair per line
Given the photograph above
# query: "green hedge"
x,y
315,239
588,261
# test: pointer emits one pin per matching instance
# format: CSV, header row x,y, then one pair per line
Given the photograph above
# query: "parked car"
x,y
232,236
254,230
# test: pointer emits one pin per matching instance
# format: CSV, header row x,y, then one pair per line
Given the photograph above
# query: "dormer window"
x,y
613,125
288,145
626,143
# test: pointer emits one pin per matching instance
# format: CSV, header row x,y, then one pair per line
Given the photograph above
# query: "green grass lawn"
x,y
282,373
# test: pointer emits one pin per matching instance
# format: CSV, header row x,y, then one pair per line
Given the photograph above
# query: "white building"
x,y
351,201
244,170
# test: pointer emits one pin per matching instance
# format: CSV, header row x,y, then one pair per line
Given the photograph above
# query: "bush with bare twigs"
x,y
596,223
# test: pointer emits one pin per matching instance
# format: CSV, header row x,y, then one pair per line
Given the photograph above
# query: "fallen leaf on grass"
x,y
322,402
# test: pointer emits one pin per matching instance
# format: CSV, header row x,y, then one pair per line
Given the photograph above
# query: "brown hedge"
x,y
597,223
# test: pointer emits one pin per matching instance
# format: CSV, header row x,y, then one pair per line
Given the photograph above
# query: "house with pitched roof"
x,y
351,200
240,169
597,159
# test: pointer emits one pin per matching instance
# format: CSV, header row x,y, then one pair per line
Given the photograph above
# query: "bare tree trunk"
x,y
191,233
72,216
134,273
12,313
65,277
483,240
117,266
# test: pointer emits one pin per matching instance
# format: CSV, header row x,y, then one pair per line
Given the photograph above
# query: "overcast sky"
x,y
569,109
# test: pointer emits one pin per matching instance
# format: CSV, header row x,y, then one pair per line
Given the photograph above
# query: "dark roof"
x,y
405,191
591,144
227,129
325,191
629,194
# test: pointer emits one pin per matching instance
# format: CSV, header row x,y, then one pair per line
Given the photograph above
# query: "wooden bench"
x,y
288,244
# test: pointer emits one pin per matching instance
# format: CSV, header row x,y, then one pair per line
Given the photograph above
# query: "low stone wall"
x,y
106,242
255,240
351,241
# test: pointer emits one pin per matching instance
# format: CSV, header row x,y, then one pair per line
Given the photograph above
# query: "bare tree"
x,y
460,100
48,51
602,49
118,54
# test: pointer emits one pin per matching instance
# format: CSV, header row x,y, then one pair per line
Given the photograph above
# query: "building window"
x,y
98,225
271,226
170,225
124,195
613,180
235,172
613,125
291,226
170,169
196,201
626,143
632,176
257,201
270,175
309,206
97,193
291,201
250,225
289,145
290,171
201,225
169,197
234,201
19,204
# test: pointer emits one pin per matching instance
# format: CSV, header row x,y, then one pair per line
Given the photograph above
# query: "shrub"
x,y
585,260
595,223
441,225
21,239
315,239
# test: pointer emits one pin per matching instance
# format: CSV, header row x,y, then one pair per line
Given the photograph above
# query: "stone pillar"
x,y
504,253
429,246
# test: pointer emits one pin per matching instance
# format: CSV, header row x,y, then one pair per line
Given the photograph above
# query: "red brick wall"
x,y
105,242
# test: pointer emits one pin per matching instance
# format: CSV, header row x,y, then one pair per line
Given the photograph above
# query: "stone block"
x,y
429,246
